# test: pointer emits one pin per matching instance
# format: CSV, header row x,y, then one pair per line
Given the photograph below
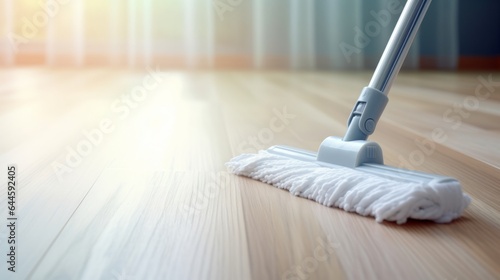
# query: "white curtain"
x,y
284,34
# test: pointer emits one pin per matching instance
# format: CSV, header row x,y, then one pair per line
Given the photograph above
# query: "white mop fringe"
x,y
355,191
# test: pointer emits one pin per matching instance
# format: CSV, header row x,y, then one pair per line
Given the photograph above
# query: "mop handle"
x,y
399,44
372,101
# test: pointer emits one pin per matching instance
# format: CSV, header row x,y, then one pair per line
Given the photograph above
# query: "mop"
x,y
349,173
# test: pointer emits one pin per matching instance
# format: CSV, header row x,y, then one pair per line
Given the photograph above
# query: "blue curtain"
x,y
352,34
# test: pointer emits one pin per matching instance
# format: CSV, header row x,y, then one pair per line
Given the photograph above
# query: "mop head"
x,y
355,191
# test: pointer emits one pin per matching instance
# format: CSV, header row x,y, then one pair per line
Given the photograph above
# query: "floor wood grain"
x,y
121,175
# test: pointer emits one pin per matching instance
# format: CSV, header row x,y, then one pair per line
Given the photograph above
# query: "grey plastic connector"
x,y
351,154
365,114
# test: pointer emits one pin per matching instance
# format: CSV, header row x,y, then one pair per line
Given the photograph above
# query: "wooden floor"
x,y
121,175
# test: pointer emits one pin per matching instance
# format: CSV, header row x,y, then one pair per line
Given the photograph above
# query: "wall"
x,y
479,23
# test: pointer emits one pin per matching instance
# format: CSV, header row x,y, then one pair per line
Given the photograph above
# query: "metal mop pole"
x,y
373,99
